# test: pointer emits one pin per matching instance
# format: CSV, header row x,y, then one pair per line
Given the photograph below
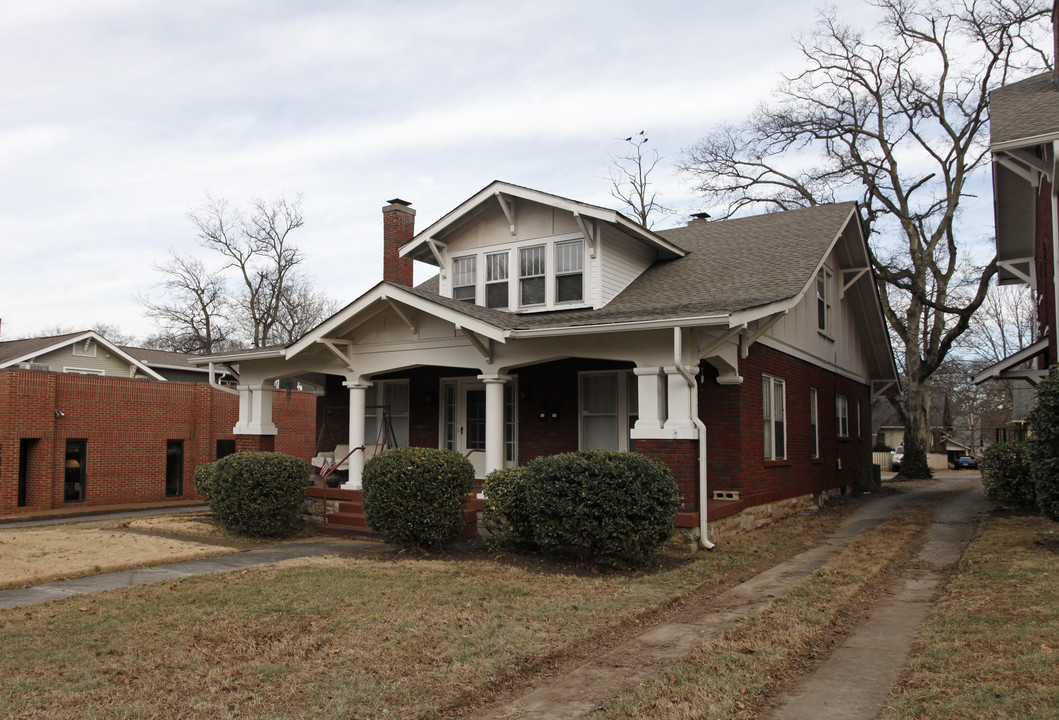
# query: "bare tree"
x,y
900,123
192,313
1003,325
630,180
110,331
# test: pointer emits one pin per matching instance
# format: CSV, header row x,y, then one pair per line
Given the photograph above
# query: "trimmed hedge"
x,y
616,508
505,517
258,493
204,475
1006,475
1043,447
415,497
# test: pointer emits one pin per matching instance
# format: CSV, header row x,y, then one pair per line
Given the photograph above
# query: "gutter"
x,y
217,386
694,389
665,324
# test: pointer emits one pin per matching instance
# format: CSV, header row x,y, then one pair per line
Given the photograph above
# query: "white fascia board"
x,y
239,356
745,317
53,347
1024,142
995,370
487,195
381,293
663,324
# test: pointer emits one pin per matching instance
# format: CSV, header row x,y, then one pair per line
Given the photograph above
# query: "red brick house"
x,y
744,354
84,423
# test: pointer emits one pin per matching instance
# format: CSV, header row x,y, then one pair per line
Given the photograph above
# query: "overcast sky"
x,y
118,117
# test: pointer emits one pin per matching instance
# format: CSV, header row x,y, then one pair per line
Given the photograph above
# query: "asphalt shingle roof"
x,y
1025,109
731,265
12,349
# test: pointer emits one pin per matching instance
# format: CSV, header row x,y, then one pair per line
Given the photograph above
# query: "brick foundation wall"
x,y
126,424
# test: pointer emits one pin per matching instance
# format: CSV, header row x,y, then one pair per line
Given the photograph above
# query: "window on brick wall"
x,y
75,471
174,468
225,447
608,403
387,401
814,424
841,415
774,414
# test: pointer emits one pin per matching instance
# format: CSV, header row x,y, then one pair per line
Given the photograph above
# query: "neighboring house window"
x,y
84,349
463,279
814,423
83,371
823,300
75,475
608,409
386,403
531,268
496,280
842,415
174,468
569,271
774,411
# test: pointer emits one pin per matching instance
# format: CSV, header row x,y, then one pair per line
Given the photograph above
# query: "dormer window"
x,y
531,262
569,271
463,279
496,280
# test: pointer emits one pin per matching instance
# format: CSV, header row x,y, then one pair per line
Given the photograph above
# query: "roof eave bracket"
x,y
856,273
591,232
483,346
345,355
407,319
508,206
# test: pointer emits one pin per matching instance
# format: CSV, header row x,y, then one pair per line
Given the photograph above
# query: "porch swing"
x,y
338,459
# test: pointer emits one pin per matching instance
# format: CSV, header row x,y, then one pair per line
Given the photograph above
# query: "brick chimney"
x,y
398,227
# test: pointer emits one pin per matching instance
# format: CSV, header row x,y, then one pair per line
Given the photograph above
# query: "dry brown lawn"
x,y
35,555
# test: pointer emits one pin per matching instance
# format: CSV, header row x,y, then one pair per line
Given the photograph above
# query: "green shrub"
x,y
616,508
204,475
1043,447
1006,475
505,519
258,493
415,497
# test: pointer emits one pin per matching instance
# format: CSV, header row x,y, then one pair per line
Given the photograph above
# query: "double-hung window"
x,y
463,278
531,269
496,280
569,271
608,409
823,301
841,416
774,415
814,424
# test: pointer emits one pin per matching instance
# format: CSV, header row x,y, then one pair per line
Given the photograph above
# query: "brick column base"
x,y
682,458
255,443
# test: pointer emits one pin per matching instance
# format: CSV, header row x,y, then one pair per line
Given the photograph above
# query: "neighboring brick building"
x,y
744,354
70,440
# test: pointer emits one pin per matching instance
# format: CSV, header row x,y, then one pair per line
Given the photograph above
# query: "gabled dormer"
x,y
520,250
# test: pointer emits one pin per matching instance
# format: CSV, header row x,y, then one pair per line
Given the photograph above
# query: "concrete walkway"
x,y
856,693
222,563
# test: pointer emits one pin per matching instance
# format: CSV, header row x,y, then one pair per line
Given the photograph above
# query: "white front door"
x,y
463,421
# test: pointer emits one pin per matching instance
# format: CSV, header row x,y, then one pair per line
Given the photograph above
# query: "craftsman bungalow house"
x,y
743,352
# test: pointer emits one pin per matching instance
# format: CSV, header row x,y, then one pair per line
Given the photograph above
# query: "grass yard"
x,y
345,637
738,674
991,646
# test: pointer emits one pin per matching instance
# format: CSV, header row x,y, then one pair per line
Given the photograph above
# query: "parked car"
x,y
965,462
899,455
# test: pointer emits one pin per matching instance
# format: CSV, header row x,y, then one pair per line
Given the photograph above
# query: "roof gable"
x,y
15,352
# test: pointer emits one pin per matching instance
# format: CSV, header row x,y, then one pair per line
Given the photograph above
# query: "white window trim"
x,y
514,295
841,416
828,300
474,262
84,371
814,421
622,408
772,380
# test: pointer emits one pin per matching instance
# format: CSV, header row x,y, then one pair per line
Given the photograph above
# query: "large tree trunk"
x,y
918,435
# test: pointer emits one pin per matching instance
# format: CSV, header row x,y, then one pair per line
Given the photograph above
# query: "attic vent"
x,y
700,216
34,366
85,349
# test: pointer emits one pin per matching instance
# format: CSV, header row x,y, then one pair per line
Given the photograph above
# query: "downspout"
x,y
1055,247
693,388
216,385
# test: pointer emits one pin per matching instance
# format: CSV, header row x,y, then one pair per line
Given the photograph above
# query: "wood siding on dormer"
x,y
623,260
845,346
111,365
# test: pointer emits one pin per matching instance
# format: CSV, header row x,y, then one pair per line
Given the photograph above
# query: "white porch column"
x,y
358,394
494,421
650,392
678,421
255,410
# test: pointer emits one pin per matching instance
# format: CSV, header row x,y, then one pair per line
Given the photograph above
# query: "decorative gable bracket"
x,y
850,276
591,232
508,206
345,354
483,345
